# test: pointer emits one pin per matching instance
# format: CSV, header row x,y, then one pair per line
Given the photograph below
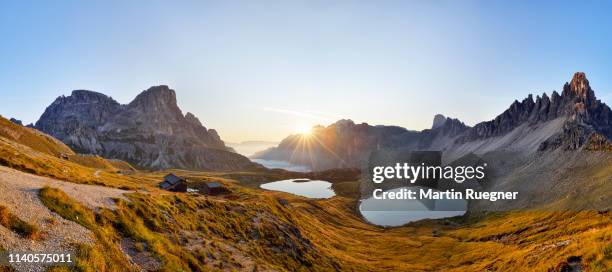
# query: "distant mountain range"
x,y
553,149
574,120
346,144
149,132
152,132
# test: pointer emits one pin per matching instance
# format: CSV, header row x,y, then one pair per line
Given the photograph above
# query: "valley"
x,y
320,235
91,186
237,232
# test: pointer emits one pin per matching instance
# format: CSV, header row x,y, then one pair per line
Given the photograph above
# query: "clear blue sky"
x,y
259,70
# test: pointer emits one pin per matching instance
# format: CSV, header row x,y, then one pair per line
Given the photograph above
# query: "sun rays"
x,y
308,147
304,130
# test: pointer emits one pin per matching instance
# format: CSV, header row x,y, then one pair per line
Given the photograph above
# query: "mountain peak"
x,y
150,131
160,89
345,122
160,99
579,87
159,93
87,96
580,84
86,93
93,108
438,121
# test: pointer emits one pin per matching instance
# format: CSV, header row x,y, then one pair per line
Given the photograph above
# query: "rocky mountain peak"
x,y
150,131
438,121
344,124
572,120
577,102
80,98
90,96
156,97
580,85
91,108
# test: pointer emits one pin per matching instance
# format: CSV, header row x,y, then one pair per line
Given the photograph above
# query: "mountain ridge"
x,y
150,131
574,119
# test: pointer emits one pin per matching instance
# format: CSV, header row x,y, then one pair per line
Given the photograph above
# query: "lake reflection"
x,y
302,187
397,212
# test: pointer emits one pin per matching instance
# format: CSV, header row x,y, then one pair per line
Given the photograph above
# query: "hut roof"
x,y
172,178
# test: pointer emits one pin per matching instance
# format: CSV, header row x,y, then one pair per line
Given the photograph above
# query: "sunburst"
x,y
304,130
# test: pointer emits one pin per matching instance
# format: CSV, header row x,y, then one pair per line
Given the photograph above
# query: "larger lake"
x,y
302,187
397,212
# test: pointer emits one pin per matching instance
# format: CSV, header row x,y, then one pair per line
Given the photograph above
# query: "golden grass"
x,y
326,235
32,138
542,240
187,233
34,152
28,160
331,235
256,230
105,255
498,242
22,228
97,162
512,241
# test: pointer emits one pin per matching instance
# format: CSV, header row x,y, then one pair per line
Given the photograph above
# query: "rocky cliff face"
x,y
151,131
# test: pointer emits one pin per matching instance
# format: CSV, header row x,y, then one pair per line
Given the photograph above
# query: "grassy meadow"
x,y
255,230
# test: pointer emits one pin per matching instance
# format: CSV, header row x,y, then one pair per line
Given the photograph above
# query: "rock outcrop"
x,y
150,132
15,121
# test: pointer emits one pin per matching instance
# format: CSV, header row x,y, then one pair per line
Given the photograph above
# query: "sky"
x,y
261,70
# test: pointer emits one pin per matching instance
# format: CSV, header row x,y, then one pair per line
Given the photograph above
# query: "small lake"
x,y
282,165
302,187
397,212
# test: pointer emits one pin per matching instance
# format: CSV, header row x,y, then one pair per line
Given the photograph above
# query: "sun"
x,y
303,129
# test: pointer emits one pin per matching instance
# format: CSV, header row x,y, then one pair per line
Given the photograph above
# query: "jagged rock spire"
x,y
576,102
580,84
579,87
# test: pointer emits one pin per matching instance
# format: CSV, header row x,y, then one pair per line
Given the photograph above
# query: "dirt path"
x,y
19,192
